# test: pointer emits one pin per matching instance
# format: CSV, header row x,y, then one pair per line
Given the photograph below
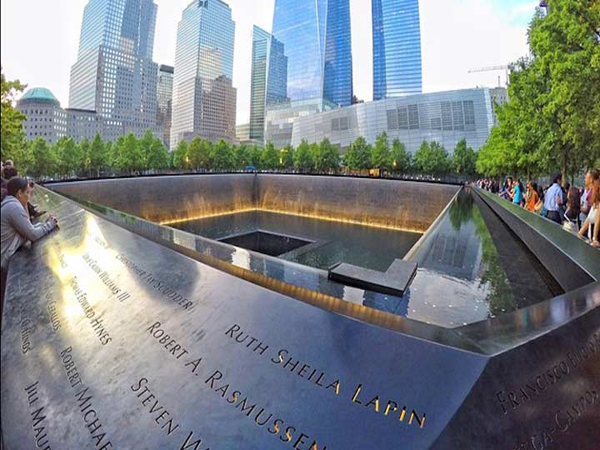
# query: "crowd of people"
x,y
576,209
19,218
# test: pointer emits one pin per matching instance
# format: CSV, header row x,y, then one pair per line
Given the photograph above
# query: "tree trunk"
x,y
564,167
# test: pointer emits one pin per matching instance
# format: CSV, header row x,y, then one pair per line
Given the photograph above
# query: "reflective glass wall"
x,y
204,99
316,36
338,54
269,79
397,68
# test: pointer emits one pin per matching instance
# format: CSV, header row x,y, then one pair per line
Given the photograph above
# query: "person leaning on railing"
x,y
17,228
591,226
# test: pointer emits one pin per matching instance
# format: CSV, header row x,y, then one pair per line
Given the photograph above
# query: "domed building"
x,y
45,117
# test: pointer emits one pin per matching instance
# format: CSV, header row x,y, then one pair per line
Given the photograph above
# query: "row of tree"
x,y
552,121
431,158
128,154
66,158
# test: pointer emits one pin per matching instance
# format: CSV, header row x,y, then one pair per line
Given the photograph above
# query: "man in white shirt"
x,y
554,199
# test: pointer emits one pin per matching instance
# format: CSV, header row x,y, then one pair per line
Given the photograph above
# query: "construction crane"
x,y
494,69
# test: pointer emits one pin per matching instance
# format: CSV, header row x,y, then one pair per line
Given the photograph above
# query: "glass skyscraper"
x,y
114,74
269,79
316,36
165,102
204,99
397,68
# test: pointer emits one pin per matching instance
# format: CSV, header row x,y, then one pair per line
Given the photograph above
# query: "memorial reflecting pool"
x,y
329,242
471,266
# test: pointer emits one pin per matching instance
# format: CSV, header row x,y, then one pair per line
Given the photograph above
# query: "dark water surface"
x,y
471,266
330,242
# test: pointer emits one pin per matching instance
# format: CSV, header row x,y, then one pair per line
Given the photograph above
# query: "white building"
x,y
444,117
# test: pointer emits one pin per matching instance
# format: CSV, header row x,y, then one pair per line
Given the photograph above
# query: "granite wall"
x,y
169,198
406,205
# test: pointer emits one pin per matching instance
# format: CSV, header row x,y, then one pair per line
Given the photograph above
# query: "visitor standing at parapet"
x,y
16,225
554,200
591,226
586,199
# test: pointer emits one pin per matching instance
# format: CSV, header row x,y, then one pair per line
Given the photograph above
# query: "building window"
x,y
469,110
446,116
343,123
335,125
403,118
392,119
457,116
413,117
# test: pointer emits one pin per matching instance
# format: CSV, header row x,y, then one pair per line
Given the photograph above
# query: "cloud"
x,y
460,35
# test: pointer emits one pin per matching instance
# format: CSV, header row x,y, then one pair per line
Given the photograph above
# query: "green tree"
x,y
44,159
199,153
145,145
432,159
131,158
180,156
314,154
98,158
360,154
566,48
270,157
327,157
116,150
12,137
108,155
350,158
256,156
241,155
464,159
157,157
380,154
401,159
303,157
84,151
223,157
553,118
68,156
287,157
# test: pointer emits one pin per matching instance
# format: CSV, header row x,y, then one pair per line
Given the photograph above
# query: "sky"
x,y
39,41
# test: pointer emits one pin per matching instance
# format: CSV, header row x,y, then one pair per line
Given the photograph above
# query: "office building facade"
x,y
164,109
397,65
114,74
444,117
269,79
204,99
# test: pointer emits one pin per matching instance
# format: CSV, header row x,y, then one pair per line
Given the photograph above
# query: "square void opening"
x,y
267,243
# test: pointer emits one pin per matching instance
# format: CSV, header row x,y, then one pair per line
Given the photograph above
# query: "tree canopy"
x,y
552,121
432,159
12,137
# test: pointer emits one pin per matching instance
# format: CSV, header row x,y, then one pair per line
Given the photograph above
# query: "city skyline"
x,y
445,61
